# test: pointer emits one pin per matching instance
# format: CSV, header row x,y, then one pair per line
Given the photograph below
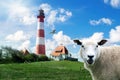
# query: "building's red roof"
x,y
59,50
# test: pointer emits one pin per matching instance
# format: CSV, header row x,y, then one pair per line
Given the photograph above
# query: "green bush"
x,y
18,57
10,55
29,58
13,55
33,57
43,58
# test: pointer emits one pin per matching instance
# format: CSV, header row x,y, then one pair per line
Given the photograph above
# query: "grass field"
x,y
51,70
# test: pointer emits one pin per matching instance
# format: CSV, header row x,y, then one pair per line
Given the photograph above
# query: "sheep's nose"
x,y
90,56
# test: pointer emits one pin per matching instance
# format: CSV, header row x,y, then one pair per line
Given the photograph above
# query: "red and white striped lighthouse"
x,y
40,40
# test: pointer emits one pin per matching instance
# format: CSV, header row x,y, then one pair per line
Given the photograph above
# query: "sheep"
x,y
102,62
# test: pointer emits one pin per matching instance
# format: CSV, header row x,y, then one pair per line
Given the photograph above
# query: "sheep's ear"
x,y
78,42
102,42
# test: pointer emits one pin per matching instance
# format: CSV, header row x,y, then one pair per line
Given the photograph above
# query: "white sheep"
x,y
103,63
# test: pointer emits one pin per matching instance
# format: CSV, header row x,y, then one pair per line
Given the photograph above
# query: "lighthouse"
x,y
40,40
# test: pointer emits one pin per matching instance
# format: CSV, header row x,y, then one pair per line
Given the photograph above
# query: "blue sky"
x,y
79,19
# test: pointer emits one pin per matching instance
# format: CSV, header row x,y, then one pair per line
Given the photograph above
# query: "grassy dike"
x,y
50,70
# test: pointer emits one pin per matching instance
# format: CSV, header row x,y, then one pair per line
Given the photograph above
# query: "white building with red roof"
x,y
60,53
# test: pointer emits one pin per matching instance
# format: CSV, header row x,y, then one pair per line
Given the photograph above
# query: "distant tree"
x,y
0,54
35,57
29,58
12,55
8,55
43,58
17,56
6,52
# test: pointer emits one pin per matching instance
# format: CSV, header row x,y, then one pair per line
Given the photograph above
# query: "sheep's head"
x,y
90,50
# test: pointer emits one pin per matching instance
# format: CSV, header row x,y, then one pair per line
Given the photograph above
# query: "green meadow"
x,y
47,70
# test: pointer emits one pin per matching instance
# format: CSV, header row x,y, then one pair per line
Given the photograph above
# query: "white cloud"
x,y
61,18
28,20
52,18
68,13
62,10
19,40
113,3
20,13
94,22
46,7
55,15
106,21
106,1
17,36
60,38
64,17
50,44
115,35
24,45
95,37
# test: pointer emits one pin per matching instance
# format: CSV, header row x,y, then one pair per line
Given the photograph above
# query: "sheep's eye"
x,y
97,46
82,46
